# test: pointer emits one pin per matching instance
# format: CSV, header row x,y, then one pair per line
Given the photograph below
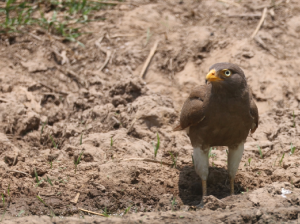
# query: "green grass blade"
x,y
53,142
157,145
36,176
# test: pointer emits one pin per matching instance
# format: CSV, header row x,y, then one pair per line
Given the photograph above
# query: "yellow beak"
x,y
211,76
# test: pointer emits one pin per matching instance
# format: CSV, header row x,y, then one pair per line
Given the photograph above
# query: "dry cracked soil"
x,y
61,103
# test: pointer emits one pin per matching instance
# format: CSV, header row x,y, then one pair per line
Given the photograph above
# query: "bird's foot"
x,y
201,205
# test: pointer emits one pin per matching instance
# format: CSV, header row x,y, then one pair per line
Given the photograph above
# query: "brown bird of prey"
x,y
220,113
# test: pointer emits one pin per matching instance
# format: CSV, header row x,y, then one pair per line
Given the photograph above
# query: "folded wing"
x,y
254,113
192,110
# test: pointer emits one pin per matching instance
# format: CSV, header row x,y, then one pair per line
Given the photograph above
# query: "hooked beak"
x,y
211,76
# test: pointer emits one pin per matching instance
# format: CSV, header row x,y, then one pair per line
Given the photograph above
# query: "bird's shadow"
x,y
190,187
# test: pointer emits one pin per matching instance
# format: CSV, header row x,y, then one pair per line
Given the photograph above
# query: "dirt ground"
x,y
56,91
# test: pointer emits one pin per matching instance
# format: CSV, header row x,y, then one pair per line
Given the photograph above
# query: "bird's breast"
x,y
227,122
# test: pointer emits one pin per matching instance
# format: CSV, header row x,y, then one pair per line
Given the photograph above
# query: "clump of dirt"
x,y
79,131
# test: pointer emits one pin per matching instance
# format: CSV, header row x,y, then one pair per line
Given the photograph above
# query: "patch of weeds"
x,y
193,160
4,207
210,154
174,203
41,200
53,142
111,142
156,147
174,160
49,181
77,161
247,190
80,141
127,210
294,124
20,213
50,164
249,161
68,17
293,148
38,182
52,214
43,125
105,213
260,152
281,159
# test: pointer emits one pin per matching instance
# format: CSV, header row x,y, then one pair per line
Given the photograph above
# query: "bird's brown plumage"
x,y
218,115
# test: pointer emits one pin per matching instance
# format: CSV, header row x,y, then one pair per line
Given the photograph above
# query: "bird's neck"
x,y
228,91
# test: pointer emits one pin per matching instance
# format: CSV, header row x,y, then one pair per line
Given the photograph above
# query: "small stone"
x,y
258,213
213,203
101,188
39,170
6,88
52,157
30,123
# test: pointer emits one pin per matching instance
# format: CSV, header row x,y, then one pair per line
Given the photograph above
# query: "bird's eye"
x,y
227,73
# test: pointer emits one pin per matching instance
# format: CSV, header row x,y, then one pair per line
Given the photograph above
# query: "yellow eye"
x,y
227,73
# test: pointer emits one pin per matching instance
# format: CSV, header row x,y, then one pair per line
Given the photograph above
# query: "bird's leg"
x,y
234,157
201,166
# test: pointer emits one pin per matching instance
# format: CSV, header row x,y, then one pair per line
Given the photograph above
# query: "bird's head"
x,y
226,76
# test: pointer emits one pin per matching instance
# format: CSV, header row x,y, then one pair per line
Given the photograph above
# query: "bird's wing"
x,y
253,113
192,110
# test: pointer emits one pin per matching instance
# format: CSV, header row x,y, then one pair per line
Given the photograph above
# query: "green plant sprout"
x,y
174,159
76,162
260,152
156,147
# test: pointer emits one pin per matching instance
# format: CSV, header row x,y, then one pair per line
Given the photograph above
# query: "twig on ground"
x,y
245,15
71,74
20,57
115,119
75,199
53,89
152,52
147,160
95,213
230,3
16,171
3,100
35,36
262,19
98,42
123,35
108,54
264,46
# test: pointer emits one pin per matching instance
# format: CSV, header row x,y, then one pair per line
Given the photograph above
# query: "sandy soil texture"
x,y
60,101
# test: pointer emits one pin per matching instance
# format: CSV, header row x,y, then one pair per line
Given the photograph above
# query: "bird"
x,y
220,113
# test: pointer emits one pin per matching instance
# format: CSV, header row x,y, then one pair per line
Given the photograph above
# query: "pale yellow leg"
x,y
231,185
234,157
204,188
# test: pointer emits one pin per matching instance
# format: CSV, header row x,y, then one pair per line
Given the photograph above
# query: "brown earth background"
x,y
60,100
